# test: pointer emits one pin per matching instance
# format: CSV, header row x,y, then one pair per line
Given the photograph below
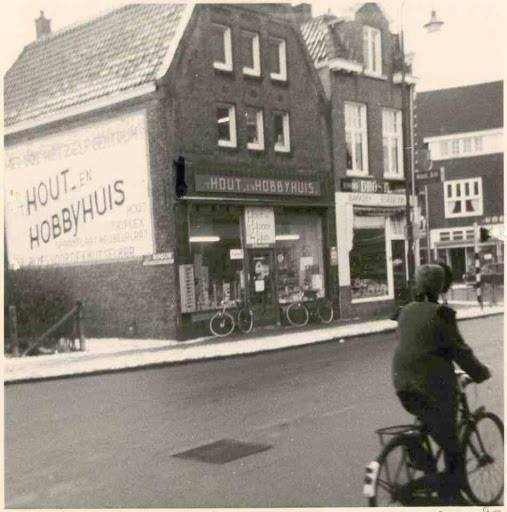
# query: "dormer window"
x,y
372,50
222,47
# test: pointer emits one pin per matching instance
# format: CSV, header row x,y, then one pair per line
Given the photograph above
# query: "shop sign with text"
x,y
394,200
211,183
79,196
365,185
259,226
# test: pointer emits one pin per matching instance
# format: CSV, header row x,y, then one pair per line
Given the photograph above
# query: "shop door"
x,y
399,269
261,285
458,263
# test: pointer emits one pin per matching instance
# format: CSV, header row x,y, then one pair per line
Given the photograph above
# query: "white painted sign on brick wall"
x,y
82,195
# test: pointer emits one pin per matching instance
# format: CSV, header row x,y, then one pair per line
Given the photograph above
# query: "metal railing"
x,y
78,331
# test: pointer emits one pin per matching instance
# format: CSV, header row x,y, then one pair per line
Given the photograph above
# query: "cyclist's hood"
x,y
429,280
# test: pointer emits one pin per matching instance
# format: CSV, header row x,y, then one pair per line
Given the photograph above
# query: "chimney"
x,y
303,13
42,26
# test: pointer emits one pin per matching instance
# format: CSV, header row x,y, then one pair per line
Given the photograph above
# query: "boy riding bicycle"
x,y
424,378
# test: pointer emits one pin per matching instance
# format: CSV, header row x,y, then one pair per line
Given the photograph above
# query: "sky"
x,y
468,49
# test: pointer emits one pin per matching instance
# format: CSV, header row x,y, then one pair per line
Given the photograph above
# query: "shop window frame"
x,y
389,236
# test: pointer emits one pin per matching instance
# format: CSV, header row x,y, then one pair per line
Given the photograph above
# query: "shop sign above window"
x,y
212,183
259,226
369,186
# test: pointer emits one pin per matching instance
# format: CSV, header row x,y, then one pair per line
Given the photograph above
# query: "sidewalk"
x,y
113,354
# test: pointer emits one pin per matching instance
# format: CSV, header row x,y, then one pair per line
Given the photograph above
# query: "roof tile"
x,y
112,53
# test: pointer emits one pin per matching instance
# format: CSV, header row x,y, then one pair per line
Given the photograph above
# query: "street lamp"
x,y
433,25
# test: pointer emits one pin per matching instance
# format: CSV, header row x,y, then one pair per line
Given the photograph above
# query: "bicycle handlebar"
x,y
463,378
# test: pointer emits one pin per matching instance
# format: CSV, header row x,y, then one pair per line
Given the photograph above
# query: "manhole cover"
x,y
220,452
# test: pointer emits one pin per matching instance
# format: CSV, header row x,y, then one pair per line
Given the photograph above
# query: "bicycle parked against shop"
x,y
410,454
233,314
309,306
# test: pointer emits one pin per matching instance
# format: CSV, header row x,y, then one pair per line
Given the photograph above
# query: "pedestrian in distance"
x,y
429,342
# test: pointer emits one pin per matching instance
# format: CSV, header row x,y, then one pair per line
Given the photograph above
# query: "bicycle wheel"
x,y
221,324
484,459
297,314
393,472
245,320
324,310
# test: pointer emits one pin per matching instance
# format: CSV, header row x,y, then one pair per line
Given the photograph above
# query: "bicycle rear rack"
x,y
396,430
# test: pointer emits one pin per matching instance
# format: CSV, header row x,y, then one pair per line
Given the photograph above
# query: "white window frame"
x,y
283,148
449,200
227,40
282,59
484,142
353,131
233,141
389,236
256,54
372,46
257,146
393,138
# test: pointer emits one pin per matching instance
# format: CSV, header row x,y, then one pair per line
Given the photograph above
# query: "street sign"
x,y
426,177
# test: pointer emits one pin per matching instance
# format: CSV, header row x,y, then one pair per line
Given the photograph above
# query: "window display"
x,y
217,257
368,259
299,258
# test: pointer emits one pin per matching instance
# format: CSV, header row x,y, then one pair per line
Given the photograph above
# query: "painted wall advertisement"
x,y
79,196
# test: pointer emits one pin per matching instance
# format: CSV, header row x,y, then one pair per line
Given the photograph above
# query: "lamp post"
x,y
406,97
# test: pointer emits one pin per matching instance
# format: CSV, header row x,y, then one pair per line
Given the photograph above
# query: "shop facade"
x,y
262,251
372,251
359,61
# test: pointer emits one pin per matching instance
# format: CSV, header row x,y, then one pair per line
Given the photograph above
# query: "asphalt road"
x,y
108,440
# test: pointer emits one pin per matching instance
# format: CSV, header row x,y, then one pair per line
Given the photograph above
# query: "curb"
x,y
219,350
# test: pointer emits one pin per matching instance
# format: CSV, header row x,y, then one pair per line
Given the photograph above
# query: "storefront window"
x,y
298,253
368,259
217,256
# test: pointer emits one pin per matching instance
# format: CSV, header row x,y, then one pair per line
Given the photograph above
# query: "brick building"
x,y
95,115
359,62
462,127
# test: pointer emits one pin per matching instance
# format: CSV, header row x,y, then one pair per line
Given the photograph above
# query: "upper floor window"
x,y
372,50
278,58
444,148
356,138
226,126
254,128
251,53
392,143
281,132
478,144
221,44
463,198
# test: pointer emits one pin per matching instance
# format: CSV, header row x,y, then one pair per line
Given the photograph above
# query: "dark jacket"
x,y
429,342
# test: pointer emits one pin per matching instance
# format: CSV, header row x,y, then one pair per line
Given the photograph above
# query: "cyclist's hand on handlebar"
x,y
484,374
